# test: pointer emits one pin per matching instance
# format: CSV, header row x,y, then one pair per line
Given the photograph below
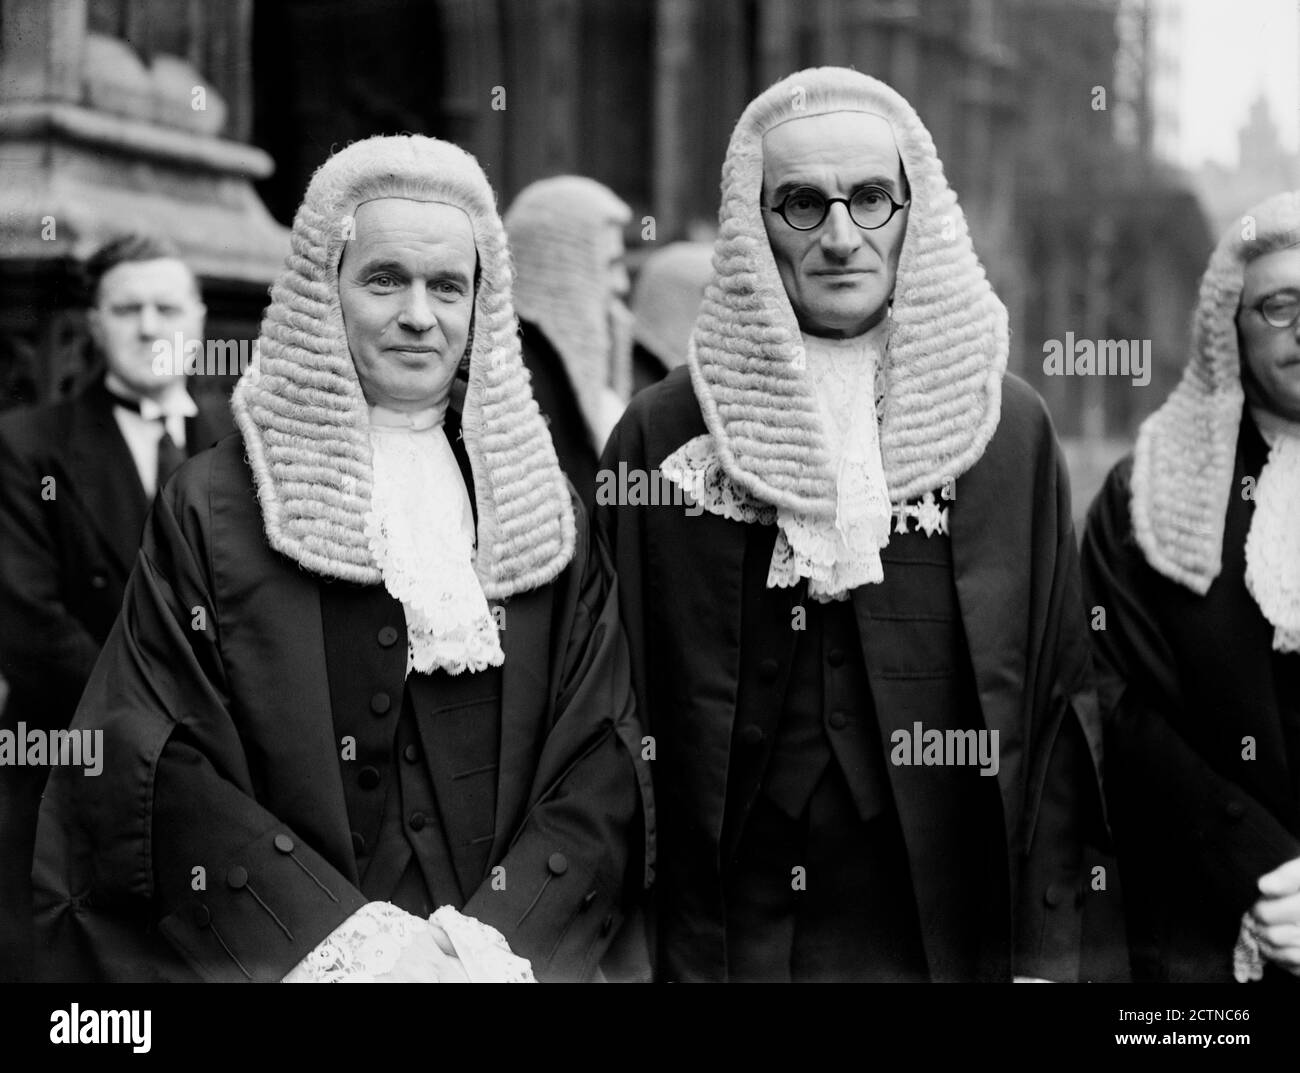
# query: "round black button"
x,y
417,821
284,843
835,657
839,720
202,916
411,754
380,703
767,669
358,843
237,877
752,734
387,636
98,581
557,864
1052,895
1235,810
368,778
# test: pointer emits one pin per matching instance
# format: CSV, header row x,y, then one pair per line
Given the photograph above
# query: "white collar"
x,y
174,401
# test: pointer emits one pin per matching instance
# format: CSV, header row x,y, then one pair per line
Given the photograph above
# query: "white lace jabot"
x,y
835,556
1273,543
421,533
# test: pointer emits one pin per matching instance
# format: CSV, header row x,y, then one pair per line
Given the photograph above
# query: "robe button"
x,y
835,657
1235,810
202,916
839,720
380,703
284,843
411,754
557,864
368,778
358,843
387,636
767,669
98,581
237,877
1052,895
752,734
417,821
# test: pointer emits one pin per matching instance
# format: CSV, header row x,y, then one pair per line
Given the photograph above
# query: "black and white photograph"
x,y
649,492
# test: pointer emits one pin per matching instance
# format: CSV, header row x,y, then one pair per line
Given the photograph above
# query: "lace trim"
x,y
696,469
421,534
1247,957
365,946
1273,543
371,941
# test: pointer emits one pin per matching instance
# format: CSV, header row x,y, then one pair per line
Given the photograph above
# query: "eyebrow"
x,y
369,268
791,185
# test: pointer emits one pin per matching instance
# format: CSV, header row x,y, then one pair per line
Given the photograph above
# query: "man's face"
x,y
139,304
838,276
406,286
1271,356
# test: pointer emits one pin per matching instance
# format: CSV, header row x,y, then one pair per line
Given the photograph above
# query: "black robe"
x,y
703,665
222,734
1185,680
71,512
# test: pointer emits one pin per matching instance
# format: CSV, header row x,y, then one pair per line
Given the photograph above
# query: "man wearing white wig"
x,y
864,662
566,239
369,670
1192,551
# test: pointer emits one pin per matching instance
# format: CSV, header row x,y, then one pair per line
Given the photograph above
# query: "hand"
x,y
427,958
1275,918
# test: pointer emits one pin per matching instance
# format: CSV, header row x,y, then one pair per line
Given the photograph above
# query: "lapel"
x,y
526,702
280,682
992,561
105,478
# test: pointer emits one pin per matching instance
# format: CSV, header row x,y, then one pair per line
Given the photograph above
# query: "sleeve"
x,y
1158,784
166,865
578,857
44,648
1068,929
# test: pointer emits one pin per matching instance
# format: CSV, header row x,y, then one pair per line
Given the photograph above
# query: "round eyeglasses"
x,y
806,207
1280,309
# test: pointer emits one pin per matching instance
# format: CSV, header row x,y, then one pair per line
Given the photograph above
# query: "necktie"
x,y
169,458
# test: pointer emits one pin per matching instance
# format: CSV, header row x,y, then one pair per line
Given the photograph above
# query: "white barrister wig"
x,y
556,229
1183,462
947,349
304,418
669,289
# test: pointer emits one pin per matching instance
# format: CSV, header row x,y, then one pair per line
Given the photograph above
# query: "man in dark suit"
x,y
864,662
76,480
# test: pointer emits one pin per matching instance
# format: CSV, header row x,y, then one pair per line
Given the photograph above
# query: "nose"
x,y
840,235
416,314
149,320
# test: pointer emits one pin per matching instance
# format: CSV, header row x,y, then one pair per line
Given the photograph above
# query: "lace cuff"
x,y
371,941
365,946
1247,957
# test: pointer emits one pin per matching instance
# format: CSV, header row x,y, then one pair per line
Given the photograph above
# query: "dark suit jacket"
x,y
230,737
71,512
1185,680
558,402
696,656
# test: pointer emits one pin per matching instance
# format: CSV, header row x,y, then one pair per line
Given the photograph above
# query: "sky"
x,y
1227,52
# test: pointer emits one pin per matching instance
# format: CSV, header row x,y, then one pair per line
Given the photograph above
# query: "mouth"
x,y
841,273
414,349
